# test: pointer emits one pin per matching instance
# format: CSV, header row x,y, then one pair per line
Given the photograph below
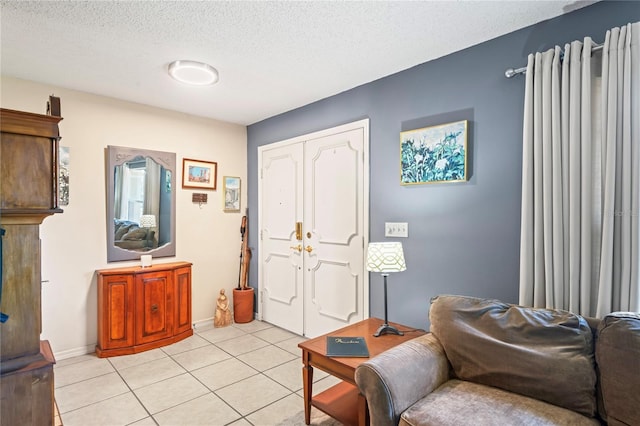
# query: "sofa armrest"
x,y
394,380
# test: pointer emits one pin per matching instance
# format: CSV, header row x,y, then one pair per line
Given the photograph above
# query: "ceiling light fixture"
x,y
193,73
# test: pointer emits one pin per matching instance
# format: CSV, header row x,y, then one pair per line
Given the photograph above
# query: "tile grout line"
x,y
262,373
208,343
207,387
244,417
133,393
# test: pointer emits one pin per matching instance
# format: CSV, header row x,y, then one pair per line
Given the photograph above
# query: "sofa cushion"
x,y
121,230
541,353
462,403
618,358
135,234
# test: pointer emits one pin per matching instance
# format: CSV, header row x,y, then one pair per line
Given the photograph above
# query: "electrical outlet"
x,y
396,229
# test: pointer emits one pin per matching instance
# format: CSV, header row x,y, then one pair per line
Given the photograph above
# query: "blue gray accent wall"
x,y
463,237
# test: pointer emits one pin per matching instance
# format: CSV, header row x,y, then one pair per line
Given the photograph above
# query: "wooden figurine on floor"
x,y
223,314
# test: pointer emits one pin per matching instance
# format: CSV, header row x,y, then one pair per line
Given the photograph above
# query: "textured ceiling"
x,y
272,56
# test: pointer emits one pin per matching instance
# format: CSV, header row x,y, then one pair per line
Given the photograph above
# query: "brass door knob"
x,y
308,249
298,248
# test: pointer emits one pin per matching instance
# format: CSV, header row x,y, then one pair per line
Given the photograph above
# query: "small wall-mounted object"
x,y
199,198
396,229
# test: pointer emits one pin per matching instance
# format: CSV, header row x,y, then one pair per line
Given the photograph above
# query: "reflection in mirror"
x,y
140,203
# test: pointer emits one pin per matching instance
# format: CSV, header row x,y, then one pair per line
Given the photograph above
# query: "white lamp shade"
x,y
147,221
385,257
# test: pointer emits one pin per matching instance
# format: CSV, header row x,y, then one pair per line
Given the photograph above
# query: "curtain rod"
x,y
511,72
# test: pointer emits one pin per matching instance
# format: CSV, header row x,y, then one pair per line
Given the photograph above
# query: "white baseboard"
x,y
84,350
70,353
205,323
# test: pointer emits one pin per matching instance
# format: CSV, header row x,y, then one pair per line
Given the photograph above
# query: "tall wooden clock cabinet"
x,y
28,195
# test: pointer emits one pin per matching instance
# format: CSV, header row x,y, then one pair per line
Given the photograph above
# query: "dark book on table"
x,y
340,346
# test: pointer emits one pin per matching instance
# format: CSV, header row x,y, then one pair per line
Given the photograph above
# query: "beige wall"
x,y
74,242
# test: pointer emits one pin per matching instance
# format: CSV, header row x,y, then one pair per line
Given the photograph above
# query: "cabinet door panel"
x,y
26,187
154,306
183,300
115,311
20,335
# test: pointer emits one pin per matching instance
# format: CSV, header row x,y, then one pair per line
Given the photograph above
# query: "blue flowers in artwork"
x,y
434,154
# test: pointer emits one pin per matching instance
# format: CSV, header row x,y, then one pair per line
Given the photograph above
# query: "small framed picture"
x,y
63,176
231,190
199,174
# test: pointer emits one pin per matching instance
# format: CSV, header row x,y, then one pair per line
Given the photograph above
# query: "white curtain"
x,y
117,192
152,188
580,231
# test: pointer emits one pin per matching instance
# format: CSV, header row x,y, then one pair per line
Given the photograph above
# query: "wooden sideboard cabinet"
x,y
28,195
143,308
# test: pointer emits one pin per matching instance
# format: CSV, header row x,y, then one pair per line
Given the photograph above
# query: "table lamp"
x,y
385,258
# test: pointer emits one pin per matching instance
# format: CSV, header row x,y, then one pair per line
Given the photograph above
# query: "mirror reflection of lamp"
x,y
148,221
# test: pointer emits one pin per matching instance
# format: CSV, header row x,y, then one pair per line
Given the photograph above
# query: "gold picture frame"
x,y
198,174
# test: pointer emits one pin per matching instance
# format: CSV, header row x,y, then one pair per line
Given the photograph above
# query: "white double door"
x,y
313,220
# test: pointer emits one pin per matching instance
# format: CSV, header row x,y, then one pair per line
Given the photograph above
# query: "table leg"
x,y
363,411
307,379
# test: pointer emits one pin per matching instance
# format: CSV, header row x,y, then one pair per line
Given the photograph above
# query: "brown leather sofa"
x,y
491,363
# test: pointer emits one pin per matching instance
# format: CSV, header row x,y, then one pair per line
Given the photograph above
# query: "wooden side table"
x,y
344,401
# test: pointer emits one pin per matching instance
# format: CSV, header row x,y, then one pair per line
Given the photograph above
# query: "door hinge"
x,y
261,235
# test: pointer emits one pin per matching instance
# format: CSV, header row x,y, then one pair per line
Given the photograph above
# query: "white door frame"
x,y
360,124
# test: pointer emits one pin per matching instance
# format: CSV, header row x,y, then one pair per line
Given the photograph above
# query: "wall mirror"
x,y
141,203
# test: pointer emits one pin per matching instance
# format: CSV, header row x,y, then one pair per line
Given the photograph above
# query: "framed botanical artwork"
x,y
434,154
199,174
231,190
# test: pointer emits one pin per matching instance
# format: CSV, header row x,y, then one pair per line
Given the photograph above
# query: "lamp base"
x,y
387,329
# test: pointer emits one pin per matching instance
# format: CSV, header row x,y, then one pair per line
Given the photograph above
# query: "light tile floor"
x,y
243,374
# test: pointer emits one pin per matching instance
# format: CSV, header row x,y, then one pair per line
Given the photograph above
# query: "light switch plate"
x,y
396,229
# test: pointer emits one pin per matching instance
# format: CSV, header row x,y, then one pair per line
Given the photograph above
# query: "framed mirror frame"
x,y
118,156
